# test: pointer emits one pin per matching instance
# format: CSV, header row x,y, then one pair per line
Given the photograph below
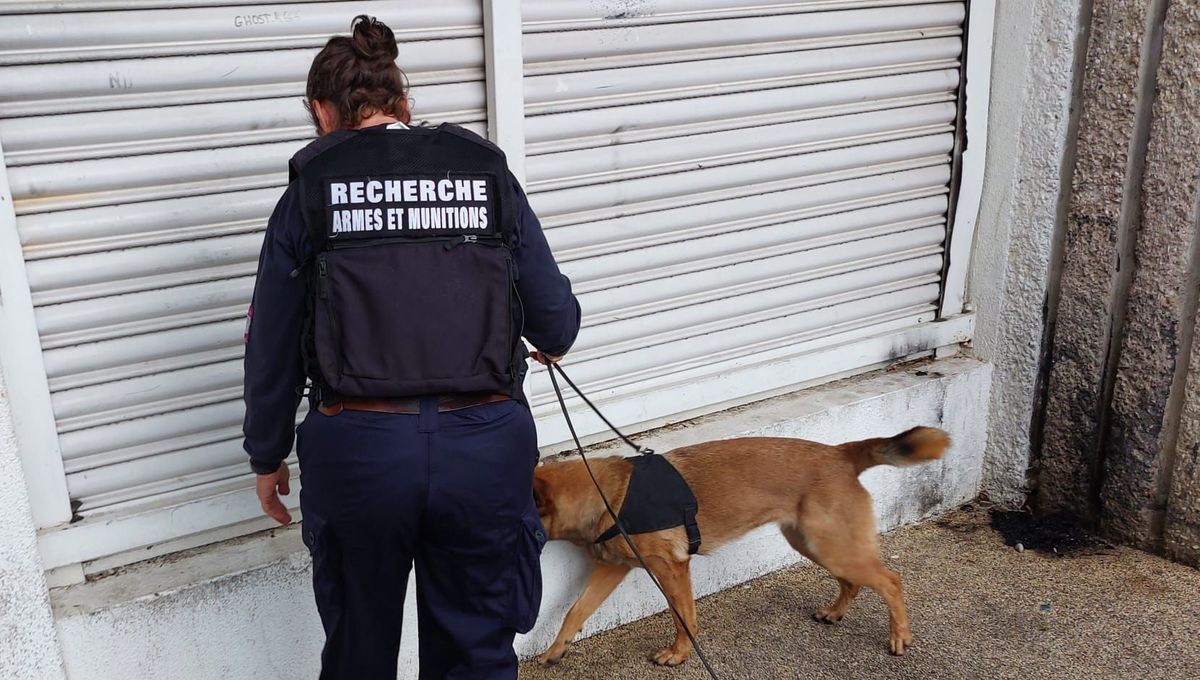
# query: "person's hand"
x,y
543,358
269,487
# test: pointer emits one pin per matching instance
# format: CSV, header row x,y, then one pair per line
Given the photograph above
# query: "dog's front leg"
x,y
603,580
676,580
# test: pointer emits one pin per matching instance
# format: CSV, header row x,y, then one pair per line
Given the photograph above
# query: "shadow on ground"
x,y
979,609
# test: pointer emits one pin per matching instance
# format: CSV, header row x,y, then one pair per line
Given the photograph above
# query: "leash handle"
x,y
645,451
562,404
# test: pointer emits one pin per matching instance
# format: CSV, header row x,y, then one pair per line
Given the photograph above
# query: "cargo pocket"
x,y
527,574
326,568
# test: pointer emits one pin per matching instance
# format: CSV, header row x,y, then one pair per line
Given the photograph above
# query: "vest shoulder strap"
x,y
470,136
314,149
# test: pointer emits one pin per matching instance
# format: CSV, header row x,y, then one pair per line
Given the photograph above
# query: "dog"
x,y
810,490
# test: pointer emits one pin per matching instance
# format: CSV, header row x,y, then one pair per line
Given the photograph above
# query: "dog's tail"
x,y
912,447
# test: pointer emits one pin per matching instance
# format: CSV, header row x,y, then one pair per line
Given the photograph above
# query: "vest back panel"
x,y
414,282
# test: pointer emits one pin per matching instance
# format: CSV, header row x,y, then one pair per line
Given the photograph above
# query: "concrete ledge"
x,y
243,609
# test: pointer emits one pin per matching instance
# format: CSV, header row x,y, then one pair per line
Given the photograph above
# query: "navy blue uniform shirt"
x,y
274,369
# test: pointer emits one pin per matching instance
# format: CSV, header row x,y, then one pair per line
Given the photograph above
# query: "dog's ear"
x,y
541,493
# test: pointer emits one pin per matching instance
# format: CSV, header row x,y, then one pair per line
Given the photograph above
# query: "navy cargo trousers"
x,y
450,493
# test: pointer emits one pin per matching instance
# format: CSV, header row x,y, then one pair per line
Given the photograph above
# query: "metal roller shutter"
x,y
146,144
749,196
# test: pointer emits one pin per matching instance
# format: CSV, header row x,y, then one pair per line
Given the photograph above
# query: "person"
x,y
398,273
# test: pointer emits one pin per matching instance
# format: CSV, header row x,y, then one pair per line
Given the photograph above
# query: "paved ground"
x,y
979,609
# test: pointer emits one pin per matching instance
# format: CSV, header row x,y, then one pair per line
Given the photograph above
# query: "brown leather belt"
x,y
411,405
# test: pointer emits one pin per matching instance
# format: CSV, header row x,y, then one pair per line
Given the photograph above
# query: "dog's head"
x,y
565,500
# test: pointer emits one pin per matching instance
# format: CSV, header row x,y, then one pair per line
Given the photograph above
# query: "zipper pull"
x,y
323,274
465,238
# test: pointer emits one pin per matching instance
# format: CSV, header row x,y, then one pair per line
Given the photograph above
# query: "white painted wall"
x,y
28,647
1032,77
260,623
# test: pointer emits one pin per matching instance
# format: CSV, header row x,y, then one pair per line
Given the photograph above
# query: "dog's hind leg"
x,y
847,590
676,580
887,584
835,611
840,536
602,581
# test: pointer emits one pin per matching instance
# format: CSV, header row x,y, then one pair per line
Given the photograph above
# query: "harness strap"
x,y
609,533
689,525
692,528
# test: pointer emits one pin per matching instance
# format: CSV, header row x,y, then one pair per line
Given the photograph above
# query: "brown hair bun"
x,y
373,40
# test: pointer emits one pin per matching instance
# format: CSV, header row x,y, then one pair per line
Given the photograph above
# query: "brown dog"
x,y
810,490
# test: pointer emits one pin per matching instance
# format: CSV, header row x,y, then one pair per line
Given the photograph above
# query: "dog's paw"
x,y
552,656
828,615
900,642
669,656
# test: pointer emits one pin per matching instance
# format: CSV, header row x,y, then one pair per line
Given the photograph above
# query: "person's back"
x,y
398,273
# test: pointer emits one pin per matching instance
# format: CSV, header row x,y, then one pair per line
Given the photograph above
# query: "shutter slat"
x,y
136,438
111,228
82,322
172,81
740,245
88,36
119,400
752,276
592,128
553,93
604,374
108,134
590,204
582,240
137,269
631,161
787,295
568,15
622,46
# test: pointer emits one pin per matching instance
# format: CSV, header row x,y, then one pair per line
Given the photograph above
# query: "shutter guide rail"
x,y
973,102
504,64
25,381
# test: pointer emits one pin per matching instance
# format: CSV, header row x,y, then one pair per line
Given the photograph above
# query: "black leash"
x,y
608,506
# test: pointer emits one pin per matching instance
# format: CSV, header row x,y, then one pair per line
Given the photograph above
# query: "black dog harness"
x,y
658,498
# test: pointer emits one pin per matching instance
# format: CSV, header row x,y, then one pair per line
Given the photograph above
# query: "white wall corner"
x,y
1033,76
29,647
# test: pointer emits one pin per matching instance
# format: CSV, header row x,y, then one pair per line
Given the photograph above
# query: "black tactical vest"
x,y
412,280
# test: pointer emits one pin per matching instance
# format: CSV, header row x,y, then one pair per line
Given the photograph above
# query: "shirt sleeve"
x,y
552,314
274,368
